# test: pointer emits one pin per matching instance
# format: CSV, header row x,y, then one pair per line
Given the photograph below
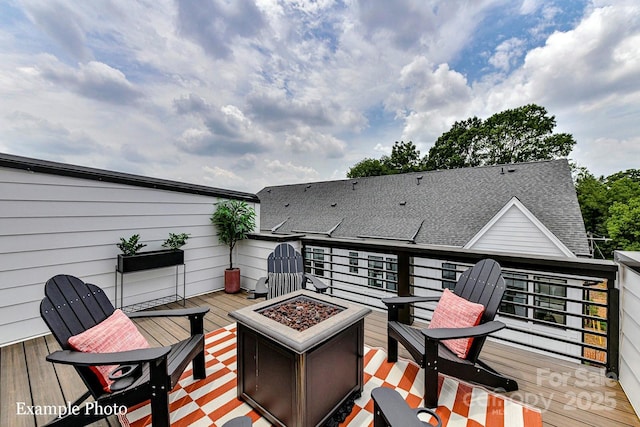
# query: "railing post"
x,y
405,314
613,327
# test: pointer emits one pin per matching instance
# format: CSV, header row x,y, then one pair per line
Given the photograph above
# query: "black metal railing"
x,y
565,306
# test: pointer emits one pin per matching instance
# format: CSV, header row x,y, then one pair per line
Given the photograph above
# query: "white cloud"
x,y
507,53
217,25
60,22
529,6
215,174
430,98
306,141
94,80
248,94
607,155
287,172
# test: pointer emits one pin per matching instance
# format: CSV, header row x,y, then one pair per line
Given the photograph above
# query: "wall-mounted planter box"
x,y
148,260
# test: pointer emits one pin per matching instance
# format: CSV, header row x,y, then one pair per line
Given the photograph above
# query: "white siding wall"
x,y
514,232
52,225
629,333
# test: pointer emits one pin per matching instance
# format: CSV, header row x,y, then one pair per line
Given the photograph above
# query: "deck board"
x,y
14,386
23,371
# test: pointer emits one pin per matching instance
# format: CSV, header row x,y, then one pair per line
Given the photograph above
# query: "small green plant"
x,y
131,246
176,241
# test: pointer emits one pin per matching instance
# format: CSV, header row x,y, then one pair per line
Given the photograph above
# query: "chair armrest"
x,y
170,313
408,300
78,358
439,334
317,283
391,409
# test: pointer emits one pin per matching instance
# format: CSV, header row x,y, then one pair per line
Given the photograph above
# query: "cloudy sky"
x,y
241,94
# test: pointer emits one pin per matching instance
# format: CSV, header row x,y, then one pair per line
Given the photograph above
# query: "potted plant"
x,y
132,260
234,220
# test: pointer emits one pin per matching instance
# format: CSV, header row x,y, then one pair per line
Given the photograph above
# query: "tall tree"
x,y
521,134
623,224
610,208
592,197
368,167
458,147
404,158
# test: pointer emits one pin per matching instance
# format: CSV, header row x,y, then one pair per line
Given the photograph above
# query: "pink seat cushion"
x,y
114,334
453,311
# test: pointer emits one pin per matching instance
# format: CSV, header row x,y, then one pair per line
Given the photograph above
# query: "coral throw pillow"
x,y
453,311
114,334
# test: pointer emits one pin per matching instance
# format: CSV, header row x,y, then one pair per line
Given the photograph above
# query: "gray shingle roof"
x,y
447,207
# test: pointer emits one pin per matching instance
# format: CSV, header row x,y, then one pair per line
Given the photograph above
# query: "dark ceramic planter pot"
x,y
149,260
232,280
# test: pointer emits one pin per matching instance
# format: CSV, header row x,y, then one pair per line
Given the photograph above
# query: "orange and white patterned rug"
x,y
212,401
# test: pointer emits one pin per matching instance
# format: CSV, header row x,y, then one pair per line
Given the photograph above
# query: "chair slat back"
x,y
71,306
483,284
285,267
285,259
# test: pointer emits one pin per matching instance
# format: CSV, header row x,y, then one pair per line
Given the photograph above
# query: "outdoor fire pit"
x,y
300,313
300,358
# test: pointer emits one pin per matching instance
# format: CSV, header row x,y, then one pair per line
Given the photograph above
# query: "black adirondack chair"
x,y
483,284
285,273
71,306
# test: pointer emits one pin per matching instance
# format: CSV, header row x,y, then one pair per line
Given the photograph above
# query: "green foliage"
x,y
621,187
623,224
592,197
234,220
367,167
176,241
404,158
609,208
521,134
458,147
131,246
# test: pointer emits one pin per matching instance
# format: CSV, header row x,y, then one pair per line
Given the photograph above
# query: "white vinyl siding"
x,y
630,331
51,224
514,232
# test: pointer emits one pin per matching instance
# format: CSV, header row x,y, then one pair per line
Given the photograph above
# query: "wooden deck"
x,y
569,394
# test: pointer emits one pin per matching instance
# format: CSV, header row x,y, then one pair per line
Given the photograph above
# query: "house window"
x,y
383,273
511,300
316,265
353,262
448,276
392,274
546,294
550,294
376,271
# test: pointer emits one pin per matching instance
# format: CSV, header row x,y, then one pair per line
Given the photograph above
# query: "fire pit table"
x,y
300,358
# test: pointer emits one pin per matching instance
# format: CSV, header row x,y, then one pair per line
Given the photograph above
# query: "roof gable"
x,y
516,229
